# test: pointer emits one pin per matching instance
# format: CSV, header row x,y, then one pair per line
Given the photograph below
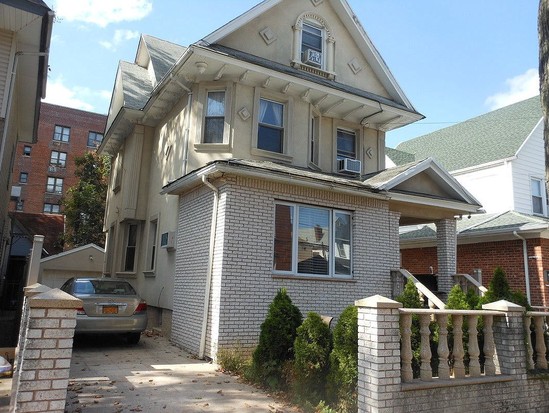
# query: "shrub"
x,y
343,375
276,340
233,360
499,289
312,347
410,299
457,299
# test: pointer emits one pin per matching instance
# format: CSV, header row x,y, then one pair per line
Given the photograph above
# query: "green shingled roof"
x,y
399,157
490,137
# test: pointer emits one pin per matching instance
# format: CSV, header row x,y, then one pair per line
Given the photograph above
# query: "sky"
x,y
454,59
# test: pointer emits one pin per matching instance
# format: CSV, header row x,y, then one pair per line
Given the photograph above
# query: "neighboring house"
x,y
500,158
44,170
25,32
84,261
253,160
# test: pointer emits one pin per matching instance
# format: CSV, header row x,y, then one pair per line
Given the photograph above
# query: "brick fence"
x,y
44,351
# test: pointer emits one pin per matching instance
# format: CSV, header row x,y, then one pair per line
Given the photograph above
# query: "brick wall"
x,y
487,256
36,165
243,284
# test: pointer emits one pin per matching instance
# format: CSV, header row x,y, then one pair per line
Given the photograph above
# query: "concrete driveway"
x,y
107,375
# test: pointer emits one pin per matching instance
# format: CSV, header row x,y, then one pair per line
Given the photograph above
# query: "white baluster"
x,y
406,351
474,352
442,350
459,368
541,349
529,350
426,373
489,346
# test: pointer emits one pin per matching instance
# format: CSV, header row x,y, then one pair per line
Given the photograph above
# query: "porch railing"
x,y
467,280
536,326
399,279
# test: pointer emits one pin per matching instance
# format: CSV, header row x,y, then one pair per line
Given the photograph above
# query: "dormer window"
x,y
313,46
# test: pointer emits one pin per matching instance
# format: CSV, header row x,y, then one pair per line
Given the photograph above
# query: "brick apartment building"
x,y
43,171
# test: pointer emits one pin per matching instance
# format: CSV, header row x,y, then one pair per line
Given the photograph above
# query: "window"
x,y
346,144
311,45
95,139
537,196
51,208
55,185
153,234
312,241
23,177
130,249
214,120
314,144
27,150
271,126
58,158
116,172
61,133
19,205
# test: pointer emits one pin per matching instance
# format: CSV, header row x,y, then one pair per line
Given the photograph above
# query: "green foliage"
x,y
84,203
343,376
499,289
235,361
312,347
457,300
276,340
410,296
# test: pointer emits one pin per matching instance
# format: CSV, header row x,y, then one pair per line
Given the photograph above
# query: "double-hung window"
x,y
51,208
214,119
311,45
61,133
58,158
346,144
94,139
312,241
537,196
130,248
271,126
23,177
55,185
153,233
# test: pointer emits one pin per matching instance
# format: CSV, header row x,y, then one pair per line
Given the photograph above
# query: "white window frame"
x,y
288,105
135,247
542,196
348,127
201,107
314,25
315,132
152,245
332,243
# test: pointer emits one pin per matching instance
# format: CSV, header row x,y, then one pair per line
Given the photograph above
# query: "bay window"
x,y
312,241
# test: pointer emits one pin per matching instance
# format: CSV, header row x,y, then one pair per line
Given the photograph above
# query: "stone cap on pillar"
x,y
503,305
378,301
34,289
54,298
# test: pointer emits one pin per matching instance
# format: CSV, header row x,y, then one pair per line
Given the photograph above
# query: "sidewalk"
x,y
156,376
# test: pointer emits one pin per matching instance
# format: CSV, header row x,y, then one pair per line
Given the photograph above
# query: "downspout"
x,y
210,267
526,271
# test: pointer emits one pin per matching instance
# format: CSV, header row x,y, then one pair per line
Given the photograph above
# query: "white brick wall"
x,y
243,285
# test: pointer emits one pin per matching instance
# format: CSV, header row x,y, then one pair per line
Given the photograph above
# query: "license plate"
x,y
110,309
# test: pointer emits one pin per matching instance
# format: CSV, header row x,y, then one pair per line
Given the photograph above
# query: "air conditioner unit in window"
x,y
312,57
16,192
52,168
349,165
167,240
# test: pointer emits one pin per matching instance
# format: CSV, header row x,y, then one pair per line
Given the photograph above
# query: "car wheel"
x,y
133,338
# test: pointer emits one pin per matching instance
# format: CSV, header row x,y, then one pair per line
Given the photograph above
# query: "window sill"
x,y
212,147
313,278
149,274
272,155
314,70
126,274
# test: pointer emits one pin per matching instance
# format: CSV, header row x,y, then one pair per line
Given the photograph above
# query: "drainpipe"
x,y
526,271
210,267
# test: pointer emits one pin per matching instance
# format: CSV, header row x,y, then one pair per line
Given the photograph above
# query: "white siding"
x,y
5,57
530,163
491,186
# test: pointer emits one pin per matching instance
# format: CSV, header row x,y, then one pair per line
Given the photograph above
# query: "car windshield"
x,y
103,287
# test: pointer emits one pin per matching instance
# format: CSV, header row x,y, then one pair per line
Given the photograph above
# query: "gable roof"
x,y
399,157
162,54
494,136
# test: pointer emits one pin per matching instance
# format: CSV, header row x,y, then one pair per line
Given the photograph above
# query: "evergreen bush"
x,y
312,346
410,299
276,340
343,375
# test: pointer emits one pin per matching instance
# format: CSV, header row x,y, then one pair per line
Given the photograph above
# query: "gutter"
x,y
526,270
209,272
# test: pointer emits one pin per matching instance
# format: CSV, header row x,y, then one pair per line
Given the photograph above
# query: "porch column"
x,y
446,253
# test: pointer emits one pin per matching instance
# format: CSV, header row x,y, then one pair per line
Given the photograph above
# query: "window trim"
x,y
541,182
315,133
200,107
57,162
288,105
135,247
51,207
55,185
152,245
26,180
25,148
294,272
61,134
349,127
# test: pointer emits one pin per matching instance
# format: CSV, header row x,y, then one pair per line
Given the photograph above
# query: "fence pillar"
x,y
510,351
378,354
446,253
45,350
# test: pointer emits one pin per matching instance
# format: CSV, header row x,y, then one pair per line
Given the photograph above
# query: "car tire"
x,y
133,338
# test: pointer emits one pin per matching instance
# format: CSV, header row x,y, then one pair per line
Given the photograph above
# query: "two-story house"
x,y
253,160
500,158
25,31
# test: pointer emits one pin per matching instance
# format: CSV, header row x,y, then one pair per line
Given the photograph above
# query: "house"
x,y
253,160
500,158
25,32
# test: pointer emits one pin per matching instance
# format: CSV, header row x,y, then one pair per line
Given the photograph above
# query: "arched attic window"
x,y
313,49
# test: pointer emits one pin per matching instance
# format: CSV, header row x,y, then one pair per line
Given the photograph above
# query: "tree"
x,y
84,203
543,33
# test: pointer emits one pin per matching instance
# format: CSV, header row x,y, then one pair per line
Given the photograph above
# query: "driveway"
x,y
155,376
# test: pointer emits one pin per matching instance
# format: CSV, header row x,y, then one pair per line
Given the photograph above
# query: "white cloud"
x,y
520,87
119,37
77,97
102,12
